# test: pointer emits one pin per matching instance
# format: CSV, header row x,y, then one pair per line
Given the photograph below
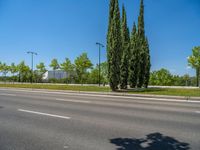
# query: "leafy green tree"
x,y
39,73
134,59
68,67
124,68
94,76
13,68
82,64
186,79
54,65
104,72
161,77
24,72
5,69
1,68
114,45
41,68
193,81
194,62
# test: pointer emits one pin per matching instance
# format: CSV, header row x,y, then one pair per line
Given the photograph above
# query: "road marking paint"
x,y
192,101
44,114
66,147
74,101
198,112
2,94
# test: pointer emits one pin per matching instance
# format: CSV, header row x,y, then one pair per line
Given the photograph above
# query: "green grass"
x,y
58,87
169,91
152,91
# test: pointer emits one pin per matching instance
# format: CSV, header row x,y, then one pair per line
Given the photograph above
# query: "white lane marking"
x,y
66,147
111,96
193,101
2,94
198,112
74,101
44,114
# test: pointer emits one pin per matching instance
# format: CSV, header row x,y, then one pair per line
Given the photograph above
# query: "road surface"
x,y
42,120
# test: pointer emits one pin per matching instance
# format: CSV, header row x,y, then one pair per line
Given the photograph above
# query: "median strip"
x,y
44,114
106,96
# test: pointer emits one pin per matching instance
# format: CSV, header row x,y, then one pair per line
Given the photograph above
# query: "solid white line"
x,y
44,114
198,112
2,94
74,101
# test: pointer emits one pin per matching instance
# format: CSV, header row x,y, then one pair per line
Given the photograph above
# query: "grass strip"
x,y
152,91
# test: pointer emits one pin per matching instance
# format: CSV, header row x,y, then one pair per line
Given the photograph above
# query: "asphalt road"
x,y
38,120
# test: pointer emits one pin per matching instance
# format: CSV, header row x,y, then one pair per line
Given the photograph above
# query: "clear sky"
x,y
66,28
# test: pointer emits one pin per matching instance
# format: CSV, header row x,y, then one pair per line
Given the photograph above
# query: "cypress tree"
x,y
133,64
111,13
114,47
141,46
148,64
124,67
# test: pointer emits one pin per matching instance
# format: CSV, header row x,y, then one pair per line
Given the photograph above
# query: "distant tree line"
x,y
194,62
128,55
81,71
163,77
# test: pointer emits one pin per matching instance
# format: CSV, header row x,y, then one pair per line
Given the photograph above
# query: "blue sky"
x,y
66,28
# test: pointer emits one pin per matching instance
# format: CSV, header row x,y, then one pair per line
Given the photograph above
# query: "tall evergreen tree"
x,y
148,64
141,46
111,14
114,48
133,63
124,67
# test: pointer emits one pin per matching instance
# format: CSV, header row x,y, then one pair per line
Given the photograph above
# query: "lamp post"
x,y
100,46
32,54
188,67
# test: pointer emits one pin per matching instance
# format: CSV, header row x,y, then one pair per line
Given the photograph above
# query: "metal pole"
x,y
32,69
100,45
32,54
99,65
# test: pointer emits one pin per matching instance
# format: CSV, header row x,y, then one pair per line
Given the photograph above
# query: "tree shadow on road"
x,y
154,141
142,90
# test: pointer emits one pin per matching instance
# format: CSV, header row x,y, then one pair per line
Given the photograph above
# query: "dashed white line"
x,y
74,101
44,114
2,94
66,147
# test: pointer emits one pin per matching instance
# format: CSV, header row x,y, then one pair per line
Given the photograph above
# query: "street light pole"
x,y
187,81
32,54
100,46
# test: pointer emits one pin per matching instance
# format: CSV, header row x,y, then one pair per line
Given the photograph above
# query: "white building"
x,y
57,74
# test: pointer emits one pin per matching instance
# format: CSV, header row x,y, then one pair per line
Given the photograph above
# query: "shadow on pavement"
x,y
154,141
143,90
